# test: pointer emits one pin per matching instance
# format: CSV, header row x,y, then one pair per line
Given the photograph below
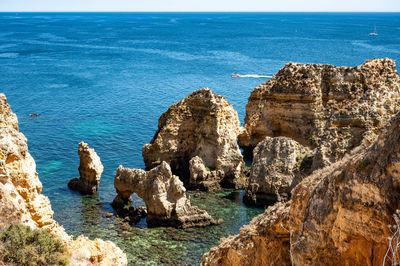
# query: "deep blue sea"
x,y
105,78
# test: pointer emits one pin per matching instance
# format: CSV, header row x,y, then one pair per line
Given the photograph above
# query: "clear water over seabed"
x,y
106,78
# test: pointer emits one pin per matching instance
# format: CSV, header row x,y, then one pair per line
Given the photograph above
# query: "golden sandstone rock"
x,y
339,215
21,200
90,170
202,124
327,108
163,194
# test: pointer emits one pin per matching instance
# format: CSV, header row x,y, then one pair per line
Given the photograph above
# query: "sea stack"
x,y
327,108
164,196
203,124
90,170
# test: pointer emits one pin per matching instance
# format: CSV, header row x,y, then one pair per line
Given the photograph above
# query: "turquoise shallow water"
x,y
106,78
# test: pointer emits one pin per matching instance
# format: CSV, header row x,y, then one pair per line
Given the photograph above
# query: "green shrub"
x,y
20,245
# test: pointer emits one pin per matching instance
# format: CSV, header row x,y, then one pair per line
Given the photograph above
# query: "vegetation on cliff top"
x,y
20,245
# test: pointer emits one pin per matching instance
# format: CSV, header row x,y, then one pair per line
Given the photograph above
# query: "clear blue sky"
x,y
200,5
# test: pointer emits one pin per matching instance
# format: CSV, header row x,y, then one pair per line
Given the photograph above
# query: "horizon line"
x,y
104,11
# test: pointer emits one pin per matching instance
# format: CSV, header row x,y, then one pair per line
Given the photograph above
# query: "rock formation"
x,y
202,124
323,106
164,196
90,170
203,178
265,241
279,164
21,200
339,215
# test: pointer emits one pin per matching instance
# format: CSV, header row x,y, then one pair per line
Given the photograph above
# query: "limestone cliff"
x,y
21,200
264,241
163,194
339,215
323,106
279,164
202,124
90,170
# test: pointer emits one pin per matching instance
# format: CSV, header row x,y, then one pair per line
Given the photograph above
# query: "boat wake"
x,y
236,75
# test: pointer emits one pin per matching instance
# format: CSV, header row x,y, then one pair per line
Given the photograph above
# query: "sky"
x,y
202,5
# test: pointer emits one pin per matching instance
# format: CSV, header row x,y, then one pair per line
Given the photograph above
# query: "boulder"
x,y
90,170
164,196
323,107
202,124
279,164
21,200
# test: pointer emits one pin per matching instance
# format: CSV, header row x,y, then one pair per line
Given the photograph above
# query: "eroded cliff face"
x,y
339,215
90,170
279,164
264,241
21,200
163,194
324,107
202,124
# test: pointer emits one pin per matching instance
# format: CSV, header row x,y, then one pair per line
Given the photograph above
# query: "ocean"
x,y
105,78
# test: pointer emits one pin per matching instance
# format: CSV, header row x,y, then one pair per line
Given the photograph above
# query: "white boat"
x,y
236,75
374,33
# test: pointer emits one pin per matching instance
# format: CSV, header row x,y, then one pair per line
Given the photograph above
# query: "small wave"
x,y
378,48
52,37
57,86
9,55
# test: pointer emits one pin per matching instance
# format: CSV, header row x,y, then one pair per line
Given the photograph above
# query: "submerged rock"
x,y
21,200
205,125
163,194
90,170
279,164
339,215
325,107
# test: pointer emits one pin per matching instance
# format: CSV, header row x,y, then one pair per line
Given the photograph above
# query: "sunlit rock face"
x,y
163,194
279,164
202,177
21,200
339,215
90,170
202,124
323,107
265,241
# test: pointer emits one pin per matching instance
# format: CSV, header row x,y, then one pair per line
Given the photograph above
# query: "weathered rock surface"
x,y
21,200
279,164
90,170
203,178
323,106
202,124
339,215
163,194
265,241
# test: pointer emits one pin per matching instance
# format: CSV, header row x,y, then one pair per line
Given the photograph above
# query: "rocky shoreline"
x,y
325,146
